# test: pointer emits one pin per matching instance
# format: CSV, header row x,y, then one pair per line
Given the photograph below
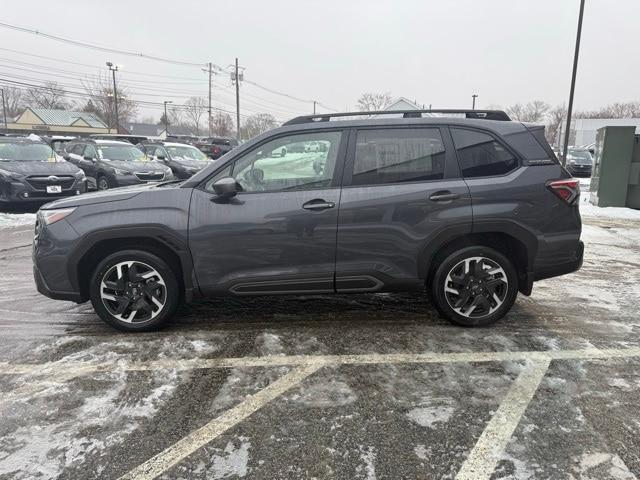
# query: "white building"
x,y
586,128
402,103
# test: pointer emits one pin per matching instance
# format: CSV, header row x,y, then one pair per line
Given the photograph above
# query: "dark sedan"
x,y
30,170
579,162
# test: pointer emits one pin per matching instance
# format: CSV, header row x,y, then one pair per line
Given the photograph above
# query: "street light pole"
x,y
314,107
166,119
114,69
567,129
473,106
4,111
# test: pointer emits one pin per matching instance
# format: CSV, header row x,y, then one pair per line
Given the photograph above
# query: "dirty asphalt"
x,y
383,418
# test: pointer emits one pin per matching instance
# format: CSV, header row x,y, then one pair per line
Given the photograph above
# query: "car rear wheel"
x,y
134,291
474,286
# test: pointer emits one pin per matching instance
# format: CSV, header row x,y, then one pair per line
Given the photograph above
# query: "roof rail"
x,y
479,114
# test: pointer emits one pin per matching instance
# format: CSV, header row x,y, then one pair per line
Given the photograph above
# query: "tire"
x,y
481,285
129,279
102,183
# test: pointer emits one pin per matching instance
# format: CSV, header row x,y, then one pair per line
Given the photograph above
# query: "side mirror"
x,y
91,159
162,158
66,156
226,187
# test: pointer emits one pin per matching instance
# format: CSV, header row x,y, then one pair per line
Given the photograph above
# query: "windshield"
x,y
190,153
27,152
125,153
581,156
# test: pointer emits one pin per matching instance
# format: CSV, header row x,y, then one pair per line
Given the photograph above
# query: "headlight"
x,y
119,171
52,216
10,175
80,175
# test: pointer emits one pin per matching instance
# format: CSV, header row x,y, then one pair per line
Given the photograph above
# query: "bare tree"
x,y
370,102
100,91
51,95
557,116
13,101
614,110
258,123
534,111
195,108
223,124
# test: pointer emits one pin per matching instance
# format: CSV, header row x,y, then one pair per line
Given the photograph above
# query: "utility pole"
x,y
210,70
567,129
473,106
166,119
237,78
314,107
114,69
4,111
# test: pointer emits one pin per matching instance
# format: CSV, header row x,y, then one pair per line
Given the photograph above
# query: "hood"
x,y
122,193
138,166
40,168
189,162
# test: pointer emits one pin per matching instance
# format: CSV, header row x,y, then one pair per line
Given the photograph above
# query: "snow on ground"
x,y
8,220
589,210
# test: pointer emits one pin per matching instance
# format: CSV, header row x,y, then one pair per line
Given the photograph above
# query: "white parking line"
x,y
482,460
294,360
166,459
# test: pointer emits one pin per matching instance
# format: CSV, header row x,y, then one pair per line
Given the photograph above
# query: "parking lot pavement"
x,y
357,387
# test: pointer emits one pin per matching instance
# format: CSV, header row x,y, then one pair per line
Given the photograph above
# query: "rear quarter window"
x,y
481,155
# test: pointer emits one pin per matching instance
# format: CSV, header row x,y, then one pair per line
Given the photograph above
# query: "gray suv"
x,y
467,205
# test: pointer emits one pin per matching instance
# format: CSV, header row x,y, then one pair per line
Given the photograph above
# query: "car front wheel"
x,y
474,286
134,291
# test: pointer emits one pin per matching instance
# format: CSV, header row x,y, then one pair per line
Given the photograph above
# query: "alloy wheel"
x,y
476,287
133,292
103,184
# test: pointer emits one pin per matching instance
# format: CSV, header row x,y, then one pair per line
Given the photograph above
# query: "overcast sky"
x,y
436,52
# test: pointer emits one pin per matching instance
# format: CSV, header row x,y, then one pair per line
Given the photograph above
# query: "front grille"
x,y
40,182
150,176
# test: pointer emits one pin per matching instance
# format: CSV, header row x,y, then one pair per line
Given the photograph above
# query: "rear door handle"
x,y
444,196
318,204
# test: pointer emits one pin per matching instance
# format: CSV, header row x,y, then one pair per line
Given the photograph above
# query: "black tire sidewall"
x,y
150,259
437,286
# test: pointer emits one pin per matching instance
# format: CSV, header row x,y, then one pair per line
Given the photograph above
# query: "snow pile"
x,y
588,210
8,220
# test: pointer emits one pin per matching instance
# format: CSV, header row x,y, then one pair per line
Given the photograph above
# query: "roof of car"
x,y
22,140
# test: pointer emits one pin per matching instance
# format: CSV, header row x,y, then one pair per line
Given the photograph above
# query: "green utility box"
x,y
615,180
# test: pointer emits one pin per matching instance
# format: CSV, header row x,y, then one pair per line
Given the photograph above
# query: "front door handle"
x,y
318,204
443,196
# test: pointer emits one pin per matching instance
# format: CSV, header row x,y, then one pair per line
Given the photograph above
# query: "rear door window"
x,y
397,155
481,155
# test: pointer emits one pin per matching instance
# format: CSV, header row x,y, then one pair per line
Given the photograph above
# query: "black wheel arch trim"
x,y
156,232
452,233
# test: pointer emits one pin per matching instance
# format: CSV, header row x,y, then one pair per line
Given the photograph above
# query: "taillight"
x,y
567,190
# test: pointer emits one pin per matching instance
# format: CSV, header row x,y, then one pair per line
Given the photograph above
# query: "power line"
x,y
151,57
97,47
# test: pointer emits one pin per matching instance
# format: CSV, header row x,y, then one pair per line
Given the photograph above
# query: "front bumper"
x,y
20,191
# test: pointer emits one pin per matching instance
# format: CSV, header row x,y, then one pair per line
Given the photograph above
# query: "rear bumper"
x,y
573,263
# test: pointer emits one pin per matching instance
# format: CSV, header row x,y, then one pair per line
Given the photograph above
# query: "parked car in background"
x,y
30,170
215,147
470,210
579,162
121,137
184,160
111,164
189,139
57,142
